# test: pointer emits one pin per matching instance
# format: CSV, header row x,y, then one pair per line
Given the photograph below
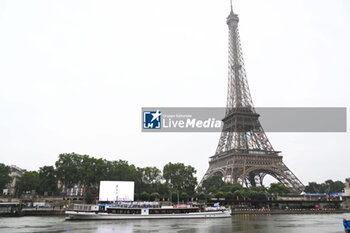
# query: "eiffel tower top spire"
x,y
238,94
232,16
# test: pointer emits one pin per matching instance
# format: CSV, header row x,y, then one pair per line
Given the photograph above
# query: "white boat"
x,y
116,213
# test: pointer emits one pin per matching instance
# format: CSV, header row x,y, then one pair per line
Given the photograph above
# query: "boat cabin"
x,y
150,211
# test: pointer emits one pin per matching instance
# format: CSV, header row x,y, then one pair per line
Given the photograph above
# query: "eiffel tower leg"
x,y
279,171
228,175
206,176
292,182
251,178
244,175
231,176
261,178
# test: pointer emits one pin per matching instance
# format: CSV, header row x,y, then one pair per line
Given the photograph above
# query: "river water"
x,y
240,224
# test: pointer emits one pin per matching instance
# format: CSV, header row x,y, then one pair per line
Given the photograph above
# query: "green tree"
x,y
246,192
92,171
335,186
258,188
144,196
151,175
219,194
313,187
338,186
329,186
100,170
163,189
201,196
257,196
154,196
68,167
212,190
180,177
121,170
235,187
75,169
148,179
213,181
139,185
47,180
278,188
174,196
184,196
29,181
5,177
228,196
226,188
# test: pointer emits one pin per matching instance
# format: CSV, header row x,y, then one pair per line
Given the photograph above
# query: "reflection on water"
x,y
239,224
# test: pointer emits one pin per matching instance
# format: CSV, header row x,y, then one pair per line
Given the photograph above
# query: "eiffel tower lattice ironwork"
x,y
244,154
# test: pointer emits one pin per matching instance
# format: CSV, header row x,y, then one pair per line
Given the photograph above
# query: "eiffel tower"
x,y
244,154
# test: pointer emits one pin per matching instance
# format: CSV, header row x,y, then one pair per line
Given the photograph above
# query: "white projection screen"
x,y
116,191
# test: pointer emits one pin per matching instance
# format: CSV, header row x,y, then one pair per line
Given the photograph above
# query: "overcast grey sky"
x,y
75,74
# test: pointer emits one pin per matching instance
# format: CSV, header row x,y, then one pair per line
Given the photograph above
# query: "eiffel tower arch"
x,y
244,153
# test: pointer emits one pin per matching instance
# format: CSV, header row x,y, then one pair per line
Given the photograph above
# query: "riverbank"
x,y
42,212
289,211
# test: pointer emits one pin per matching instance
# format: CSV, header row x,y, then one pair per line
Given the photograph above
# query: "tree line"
x,y
329,186
175,182
71,169
215,187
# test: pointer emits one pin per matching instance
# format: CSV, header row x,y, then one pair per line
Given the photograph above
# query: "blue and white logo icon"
x,y
152,119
